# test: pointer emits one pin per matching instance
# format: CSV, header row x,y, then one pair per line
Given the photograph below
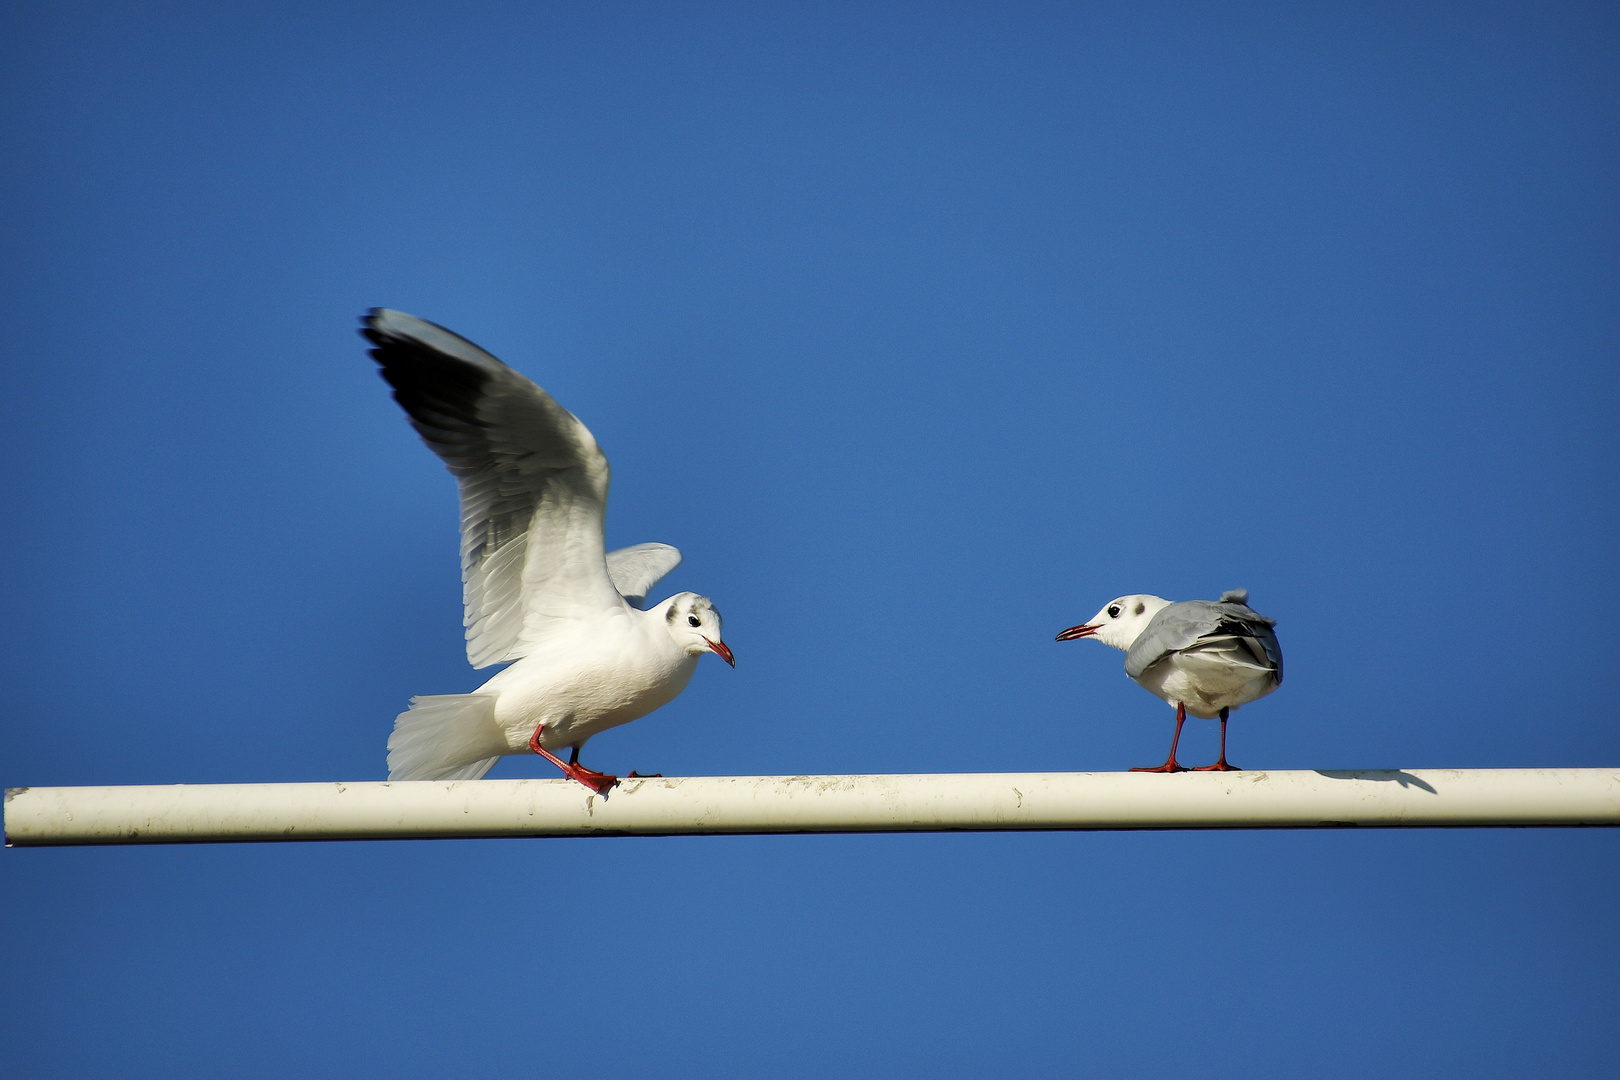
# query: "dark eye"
x,y
693,620
1113,611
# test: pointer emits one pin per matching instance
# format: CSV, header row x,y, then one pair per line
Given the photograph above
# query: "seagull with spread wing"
x,y
540,591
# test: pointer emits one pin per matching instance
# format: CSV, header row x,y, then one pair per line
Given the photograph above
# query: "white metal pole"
x,y
802,804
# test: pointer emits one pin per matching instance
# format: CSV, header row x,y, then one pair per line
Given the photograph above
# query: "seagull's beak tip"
x,y
1076,632
723,651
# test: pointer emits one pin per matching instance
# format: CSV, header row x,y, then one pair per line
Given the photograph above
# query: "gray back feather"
x,y
1181,626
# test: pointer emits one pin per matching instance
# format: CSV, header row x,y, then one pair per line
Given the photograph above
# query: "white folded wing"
x,y
534,488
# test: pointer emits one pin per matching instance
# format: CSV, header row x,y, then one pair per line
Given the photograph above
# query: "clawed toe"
x,y
601,783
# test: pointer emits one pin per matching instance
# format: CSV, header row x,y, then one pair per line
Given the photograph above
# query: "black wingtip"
x,y
368,326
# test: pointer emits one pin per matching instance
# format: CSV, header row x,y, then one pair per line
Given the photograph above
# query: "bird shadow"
x,y
1405,779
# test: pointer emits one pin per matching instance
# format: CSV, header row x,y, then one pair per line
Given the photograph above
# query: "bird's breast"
x,y
591,683
1209,678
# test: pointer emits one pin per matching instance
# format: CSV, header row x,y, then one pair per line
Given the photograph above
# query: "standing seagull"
x,y
537,586
1205,659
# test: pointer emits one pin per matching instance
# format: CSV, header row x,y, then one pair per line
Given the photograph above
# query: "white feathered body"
x,y
1208,678
618,668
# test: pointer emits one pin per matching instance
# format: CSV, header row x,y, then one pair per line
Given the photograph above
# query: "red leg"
x,y
1221,765
1170,763
601,783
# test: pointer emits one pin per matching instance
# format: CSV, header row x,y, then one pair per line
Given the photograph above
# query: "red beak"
x,y
725,653
1078,632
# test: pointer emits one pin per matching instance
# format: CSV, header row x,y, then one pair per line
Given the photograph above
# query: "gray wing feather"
x,y
635,570
1181,626
533,482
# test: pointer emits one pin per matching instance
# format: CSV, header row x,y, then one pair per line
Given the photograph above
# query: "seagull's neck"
x,y
1120,637
657,623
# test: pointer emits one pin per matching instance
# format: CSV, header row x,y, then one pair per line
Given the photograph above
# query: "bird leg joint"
x,y
601,783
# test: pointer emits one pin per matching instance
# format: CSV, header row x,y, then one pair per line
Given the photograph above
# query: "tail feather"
x,y
445,737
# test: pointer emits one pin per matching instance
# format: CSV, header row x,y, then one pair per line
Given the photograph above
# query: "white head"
x,y
1120,622
695,626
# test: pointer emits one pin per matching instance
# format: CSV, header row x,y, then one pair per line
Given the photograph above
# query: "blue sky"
x,y
922,330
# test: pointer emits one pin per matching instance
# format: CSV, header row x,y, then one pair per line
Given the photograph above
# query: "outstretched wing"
x,y
533,484
1198,622
635,570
